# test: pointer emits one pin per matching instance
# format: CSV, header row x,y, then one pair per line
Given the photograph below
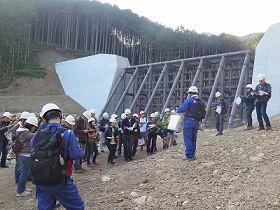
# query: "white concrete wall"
x,y
267,62
89,80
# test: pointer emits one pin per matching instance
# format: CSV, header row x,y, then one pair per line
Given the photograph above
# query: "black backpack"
x,y
47,160
199,110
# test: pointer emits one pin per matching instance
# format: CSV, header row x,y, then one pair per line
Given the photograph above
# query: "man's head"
x,y
23,117
105,115
51,113
6,117
92,111
167,111
69,121
142,114
86,115
249,87
113,122
31,123
261,79
127,113
192,90
218,95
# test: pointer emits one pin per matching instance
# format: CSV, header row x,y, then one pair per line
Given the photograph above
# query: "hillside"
x,y
238,170
30,94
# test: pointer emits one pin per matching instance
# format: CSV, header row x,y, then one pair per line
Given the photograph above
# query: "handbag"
x,y
17,146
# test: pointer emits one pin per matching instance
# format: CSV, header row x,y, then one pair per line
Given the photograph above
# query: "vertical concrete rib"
x,y
173,86
112,93
239,88
156,87
214,87
141,87
126,90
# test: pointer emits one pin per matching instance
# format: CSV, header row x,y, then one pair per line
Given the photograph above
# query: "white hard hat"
x,y
49,107
153,115
32,114
135,115
217,94
112,120
166,110
123,116
32,121
142,112
193,89
87,114
127,111
105,115
261,77
24,115
70,119
249,86
114,116
7,114
91,119
156,113
92,111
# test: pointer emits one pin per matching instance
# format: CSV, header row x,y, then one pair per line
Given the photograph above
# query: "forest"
x,y
91,27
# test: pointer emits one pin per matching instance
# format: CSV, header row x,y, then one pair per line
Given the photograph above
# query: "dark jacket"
x,y
3,130
79,127
128,123
249,101
24,136
109,132
266,88
222,103
102,124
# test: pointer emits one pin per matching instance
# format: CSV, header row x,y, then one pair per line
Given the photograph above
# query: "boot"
x,y
268,128
261,128
248,128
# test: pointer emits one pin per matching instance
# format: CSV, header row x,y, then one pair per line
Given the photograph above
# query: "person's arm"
x,y
4,129
74,151
183,107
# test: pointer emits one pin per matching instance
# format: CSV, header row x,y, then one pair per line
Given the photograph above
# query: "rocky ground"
x,y
238,170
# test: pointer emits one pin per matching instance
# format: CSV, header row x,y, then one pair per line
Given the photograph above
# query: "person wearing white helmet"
x,y
111,135
24,135
4,127
103,125
167,133
66,193
92,111
120,142
143,129
128,134
250,105
220,106
136,135
262,93
81,131
69,122
22,121
191,124
152,129
92,146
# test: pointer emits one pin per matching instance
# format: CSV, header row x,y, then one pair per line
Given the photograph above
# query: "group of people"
x,y
83,136
257,97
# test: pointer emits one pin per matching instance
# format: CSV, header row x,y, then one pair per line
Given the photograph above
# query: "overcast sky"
x,y
236,17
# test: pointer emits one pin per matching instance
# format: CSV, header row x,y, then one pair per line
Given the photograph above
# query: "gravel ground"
x,y
238,170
